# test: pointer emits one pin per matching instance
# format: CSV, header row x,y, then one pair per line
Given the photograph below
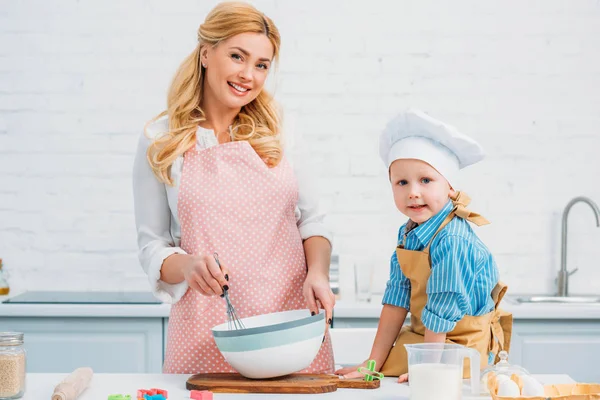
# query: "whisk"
x,y
233,322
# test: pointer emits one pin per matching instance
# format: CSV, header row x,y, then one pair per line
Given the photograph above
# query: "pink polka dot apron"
x,y
232,203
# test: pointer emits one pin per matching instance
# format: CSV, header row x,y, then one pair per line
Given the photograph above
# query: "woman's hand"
x,y
316,288
202,273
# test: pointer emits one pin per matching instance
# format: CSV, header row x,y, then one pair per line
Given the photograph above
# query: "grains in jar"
x,y
12,365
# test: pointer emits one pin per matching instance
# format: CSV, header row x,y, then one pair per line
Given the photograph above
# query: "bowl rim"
x,y
269,328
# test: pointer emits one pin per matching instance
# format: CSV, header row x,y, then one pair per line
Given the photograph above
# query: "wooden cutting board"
x,y
294,383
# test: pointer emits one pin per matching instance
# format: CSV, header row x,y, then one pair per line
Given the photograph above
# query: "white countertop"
x,y
41,386
343,309
352,309
86,310
82,310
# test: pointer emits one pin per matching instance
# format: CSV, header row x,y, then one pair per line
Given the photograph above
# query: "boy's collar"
x,y
425,231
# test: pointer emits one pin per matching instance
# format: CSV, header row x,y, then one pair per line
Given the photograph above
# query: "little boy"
x,y
441,271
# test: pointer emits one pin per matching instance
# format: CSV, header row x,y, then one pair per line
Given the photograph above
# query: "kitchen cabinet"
x,y
566,347
116,345
165,323
355,322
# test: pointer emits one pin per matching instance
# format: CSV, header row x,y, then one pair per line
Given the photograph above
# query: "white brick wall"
x,y
79,79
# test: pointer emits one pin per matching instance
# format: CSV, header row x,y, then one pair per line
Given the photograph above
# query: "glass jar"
x,y
4,289
12,365
502,367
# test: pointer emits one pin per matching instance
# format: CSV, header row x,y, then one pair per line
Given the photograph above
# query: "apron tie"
x,y
497,343
461,200
501,321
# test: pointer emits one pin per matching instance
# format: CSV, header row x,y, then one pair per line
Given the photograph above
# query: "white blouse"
x,y
157,222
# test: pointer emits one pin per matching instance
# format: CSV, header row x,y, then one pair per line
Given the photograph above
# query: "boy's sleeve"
x,y
452,264
397,291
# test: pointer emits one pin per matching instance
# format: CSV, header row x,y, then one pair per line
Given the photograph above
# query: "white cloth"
x,y
412,134
157,220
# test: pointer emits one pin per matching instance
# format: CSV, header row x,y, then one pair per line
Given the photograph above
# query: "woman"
x,y
210,176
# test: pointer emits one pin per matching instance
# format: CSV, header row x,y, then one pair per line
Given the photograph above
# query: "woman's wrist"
x,y
174,268
318,255
317,271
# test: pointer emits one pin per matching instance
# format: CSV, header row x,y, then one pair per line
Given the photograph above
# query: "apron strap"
x,y
461,200
498,293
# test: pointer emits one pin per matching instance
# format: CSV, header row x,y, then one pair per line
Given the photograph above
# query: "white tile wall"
x,y
78,80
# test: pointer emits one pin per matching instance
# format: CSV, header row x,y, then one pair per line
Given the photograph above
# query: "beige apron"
x,y
487,333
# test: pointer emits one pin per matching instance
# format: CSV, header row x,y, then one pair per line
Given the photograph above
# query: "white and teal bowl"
x,y
272,345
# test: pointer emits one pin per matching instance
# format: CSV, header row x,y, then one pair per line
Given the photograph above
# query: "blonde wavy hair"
x,y
257,122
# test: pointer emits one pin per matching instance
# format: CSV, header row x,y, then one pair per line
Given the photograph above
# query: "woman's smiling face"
x,y
236,69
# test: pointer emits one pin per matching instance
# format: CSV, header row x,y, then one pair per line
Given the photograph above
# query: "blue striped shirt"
x,y
463,272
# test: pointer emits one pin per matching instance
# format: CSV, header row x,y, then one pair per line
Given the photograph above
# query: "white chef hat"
x,y
412,134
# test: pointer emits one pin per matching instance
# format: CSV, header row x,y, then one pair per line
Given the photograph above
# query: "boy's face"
x,y
419,190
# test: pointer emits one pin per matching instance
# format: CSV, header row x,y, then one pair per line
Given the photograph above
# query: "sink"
x,y
558,299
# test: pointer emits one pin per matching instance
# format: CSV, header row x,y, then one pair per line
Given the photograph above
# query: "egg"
x,y
508,388
491,381
531,387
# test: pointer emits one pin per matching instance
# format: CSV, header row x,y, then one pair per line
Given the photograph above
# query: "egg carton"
x,y
573,391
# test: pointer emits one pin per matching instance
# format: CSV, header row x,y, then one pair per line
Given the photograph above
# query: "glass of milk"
x,y
435,370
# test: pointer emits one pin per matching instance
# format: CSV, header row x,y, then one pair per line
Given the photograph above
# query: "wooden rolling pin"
x,y
73,385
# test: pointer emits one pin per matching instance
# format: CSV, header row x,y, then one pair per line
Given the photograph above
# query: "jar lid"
x,y
504,367
11,338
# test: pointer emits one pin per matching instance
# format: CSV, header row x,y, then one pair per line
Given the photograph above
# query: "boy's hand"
x,y
351,372
403,378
